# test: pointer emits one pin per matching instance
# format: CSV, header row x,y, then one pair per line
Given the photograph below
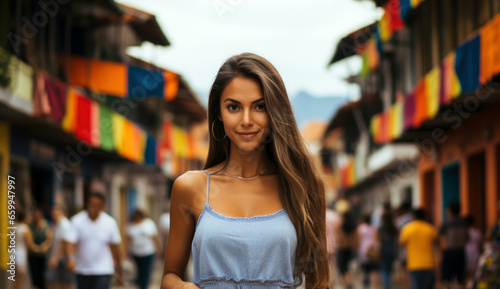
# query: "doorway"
x,y
450,186
429,195
477,189
41,188
498,179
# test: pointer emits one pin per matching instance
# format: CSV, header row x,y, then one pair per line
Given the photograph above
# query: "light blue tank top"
x,y
239,252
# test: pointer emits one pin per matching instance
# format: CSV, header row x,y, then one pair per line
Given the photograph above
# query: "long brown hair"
x,y
301,187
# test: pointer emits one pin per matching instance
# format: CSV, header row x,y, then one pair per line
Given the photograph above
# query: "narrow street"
x,y
398,282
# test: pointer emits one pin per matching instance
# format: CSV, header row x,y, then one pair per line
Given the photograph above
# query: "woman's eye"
x,y
232,106
262,107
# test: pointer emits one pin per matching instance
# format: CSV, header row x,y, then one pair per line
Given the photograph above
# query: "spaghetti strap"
x,y
208,184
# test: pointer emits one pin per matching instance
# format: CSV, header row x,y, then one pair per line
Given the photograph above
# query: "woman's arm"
x,y
28,239
181,234
45,246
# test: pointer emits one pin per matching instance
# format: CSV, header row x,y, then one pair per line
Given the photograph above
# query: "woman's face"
x,y
243,113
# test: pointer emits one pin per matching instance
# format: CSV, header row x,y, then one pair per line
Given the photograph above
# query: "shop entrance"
x,y
451,186
477,189
42,188
429,195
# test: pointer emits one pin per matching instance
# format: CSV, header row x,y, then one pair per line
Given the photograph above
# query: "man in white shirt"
x,y
56,274
164,228
93,246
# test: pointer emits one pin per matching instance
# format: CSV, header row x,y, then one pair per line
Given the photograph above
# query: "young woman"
x,y
387,235
344,253
255,216
24,243
37,260
366,237
144,245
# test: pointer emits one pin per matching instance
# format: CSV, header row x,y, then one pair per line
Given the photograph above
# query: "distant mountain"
x,y
307,107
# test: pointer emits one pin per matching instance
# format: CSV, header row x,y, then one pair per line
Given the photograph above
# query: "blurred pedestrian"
x,y
404,217
420,239
345,235
488,271
454,232
493,235
57,275
164,227
93,246
144,245
24,242
331,222
367,242
388,238
472,248
42,237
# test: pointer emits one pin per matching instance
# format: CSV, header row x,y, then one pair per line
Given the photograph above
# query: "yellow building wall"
x,y
4,171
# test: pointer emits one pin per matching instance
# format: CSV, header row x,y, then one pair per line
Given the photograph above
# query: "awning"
x,y
145,25
350,44
368,106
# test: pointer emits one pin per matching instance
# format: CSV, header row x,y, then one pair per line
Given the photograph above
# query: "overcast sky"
x,y
297,36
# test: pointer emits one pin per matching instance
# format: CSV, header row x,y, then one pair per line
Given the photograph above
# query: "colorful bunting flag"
x,y
369,56
450,86
421,110
171,85
68,122
95,125
432,80
406,8
489,50
145,83
409,111
467,64
396,120
375,128
118,131
83,119
57,95
391,20
106,128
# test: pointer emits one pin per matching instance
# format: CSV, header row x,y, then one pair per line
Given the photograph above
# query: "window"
x,y
418,50
465,19
403,64
483,12
495,7
426,37
447,25
434,34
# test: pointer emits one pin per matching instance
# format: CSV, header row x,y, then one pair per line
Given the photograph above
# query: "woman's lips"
x,y
248,135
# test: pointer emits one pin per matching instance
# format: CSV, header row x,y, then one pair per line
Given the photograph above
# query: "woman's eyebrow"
x,y
234,100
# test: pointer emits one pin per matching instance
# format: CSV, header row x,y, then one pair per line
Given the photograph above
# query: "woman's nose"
x,y
247,118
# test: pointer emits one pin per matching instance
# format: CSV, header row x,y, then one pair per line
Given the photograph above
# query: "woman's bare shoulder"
x,y
186,190
193,181
189,180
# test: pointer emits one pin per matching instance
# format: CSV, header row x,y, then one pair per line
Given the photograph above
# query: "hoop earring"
x,y
214,134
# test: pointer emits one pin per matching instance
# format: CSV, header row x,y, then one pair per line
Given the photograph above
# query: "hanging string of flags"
x,y
119,79
463,70
90,121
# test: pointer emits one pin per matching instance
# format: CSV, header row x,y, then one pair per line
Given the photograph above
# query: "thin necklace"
x,y
251,178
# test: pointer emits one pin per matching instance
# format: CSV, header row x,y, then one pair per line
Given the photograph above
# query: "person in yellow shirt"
x,y
420,239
